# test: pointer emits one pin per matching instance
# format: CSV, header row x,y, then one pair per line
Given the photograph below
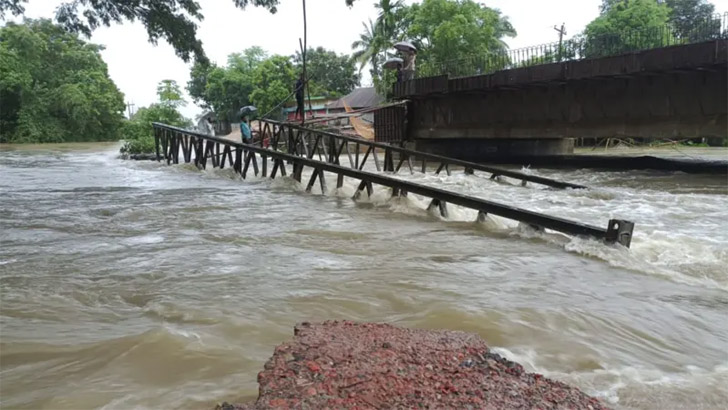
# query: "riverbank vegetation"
x,y
138,132
55,87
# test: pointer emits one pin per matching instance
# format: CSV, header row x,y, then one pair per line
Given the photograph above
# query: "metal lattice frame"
x,y
199,148
296,140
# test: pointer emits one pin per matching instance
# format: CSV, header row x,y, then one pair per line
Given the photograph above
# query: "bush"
x,y
138,138
138,132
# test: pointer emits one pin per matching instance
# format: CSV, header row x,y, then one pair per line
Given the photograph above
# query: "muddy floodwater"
x,y
139,285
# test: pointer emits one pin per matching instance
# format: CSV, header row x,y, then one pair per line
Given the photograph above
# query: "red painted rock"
x,y
347,365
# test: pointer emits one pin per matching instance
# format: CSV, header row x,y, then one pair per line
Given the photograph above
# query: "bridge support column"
x,y
438,204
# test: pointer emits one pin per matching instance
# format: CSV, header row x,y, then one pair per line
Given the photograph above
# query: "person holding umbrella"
x,y
245,133
409,65
395,63
409,53
245,129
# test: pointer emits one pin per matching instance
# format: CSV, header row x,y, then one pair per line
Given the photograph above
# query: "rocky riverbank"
x,y
346,365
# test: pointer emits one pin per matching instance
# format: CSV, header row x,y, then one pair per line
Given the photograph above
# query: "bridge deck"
x,y
200,148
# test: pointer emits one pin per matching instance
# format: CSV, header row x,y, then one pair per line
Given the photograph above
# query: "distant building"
x,y
365,97
359,99
317,108
358,124
322,107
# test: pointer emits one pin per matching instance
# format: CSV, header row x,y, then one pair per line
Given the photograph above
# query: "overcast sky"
x,y
137,66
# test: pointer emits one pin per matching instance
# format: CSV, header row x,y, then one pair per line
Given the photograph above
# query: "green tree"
x,y
138,131
368,49
692,17
273,82
55,87
197,86
250,77
447,33
688,18
387,17
170,94
249,59
627,25
170,20
330,74
452,31
375,44
225,89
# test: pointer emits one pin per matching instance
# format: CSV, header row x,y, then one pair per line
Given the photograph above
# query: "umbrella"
x,y
205,115
247,110
393,62
405,46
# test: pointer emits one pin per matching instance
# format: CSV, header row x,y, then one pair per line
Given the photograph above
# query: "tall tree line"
x,y
55,87
255,78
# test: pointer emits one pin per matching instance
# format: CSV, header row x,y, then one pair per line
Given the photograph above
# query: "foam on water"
x,y
684,253
632,386
672,255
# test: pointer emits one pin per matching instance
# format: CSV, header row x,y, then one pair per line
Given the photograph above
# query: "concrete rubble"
x,y
347,365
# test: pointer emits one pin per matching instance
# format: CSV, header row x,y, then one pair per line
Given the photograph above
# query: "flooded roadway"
x,y
135,284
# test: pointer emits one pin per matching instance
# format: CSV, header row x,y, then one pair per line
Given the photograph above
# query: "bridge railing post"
x,y
619,231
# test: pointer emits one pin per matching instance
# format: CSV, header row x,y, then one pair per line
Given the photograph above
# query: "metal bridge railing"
x,y
579,48
330,147
175,145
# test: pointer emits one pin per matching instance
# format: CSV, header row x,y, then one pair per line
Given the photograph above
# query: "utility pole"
x,y
562,33
130,108
304,48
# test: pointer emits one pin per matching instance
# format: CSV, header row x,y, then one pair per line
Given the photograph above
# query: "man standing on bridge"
x,y
409,64
299,98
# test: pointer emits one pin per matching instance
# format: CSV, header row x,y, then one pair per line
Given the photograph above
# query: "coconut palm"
x,y
387,19
503,28
369,47
378,37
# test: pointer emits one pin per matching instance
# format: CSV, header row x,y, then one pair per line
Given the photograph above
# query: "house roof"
x,y
360,98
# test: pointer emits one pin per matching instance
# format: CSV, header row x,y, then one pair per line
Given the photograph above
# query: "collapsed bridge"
x,y
298,146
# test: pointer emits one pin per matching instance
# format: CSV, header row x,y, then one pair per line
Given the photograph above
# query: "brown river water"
x,y
139,285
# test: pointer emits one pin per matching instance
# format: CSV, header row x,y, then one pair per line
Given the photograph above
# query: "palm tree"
x,y
387,19
503,28
379,36
368,47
